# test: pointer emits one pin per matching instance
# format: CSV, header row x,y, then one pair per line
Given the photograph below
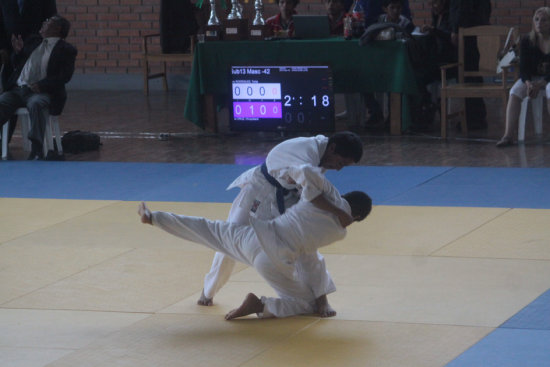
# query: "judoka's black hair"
x,y
347,145
360,203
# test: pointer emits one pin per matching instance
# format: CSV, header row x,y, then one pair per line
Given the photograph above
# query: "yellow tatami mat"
x,y
84,283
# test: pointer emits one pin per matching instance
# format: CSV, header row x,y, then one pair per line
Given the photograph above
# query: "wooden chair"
x,y
490,40
152,53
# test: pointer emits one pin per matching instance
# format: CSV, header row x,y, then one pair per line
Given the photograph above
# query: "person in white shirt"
x,y
273,247
268,189
42,65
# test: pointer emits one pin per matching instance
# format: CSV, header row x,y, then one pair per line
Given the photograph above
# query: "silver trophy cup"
x,y
259,17
213,17
235,10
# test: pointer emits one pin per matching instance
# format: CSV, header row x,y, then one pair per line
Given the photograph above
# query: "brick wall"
x,y
107,32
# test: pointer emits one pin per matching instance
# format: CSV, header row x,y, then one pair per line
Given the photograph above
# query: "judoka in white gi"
x,y
272,247
261,198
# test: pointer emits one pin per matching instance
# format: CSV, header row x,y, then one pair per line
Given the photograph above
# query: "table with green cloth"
x,y
382,66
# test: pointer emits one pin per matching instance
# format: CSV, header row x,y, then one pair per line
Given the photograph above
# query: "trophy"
x,y
213,29
259,30
235,27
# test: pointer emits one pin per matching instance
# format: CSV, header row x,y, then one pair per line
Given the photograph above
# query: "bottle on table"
x,y
357,19
347,27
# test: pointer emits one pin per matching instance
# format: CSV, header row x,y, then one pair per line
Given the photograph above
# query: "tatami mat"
x,y
508,348
185,340
516,234
362,343
84,283
37,337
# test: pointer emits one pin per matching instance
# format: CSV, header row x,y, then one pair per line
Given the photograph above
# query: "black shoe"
x,y
54,156
36,151
505,142
33,157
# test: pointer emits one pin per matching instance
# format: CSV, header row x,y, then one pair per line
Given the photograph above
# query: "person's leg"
x,y
311,269
222,266
476,112
376,115
38,105
513,109
10,101
295,296
13,124
220,271
251,304
233,240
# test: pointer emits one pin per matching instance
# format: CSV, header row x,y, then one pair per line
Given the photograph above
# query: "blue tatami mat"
x,y
178,182
536,315
419,186
508,348
118,181
489,187
523,340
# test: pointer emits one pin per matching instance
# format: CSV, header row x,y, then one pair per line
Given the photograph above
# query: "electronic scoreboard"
x,y
281,98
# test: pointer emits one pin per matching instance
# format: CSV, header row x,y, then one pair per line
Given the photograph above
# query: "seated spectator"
x,y
374,8
534,70
336,12
42,65
440,29
393,14
20,18
282,24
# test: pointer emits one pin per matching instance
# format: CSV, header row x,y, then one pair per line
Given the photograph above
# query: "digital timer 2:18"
x,y
281,98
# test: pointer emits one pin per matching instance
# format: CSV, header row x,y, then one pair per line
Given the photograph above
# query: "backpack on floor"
x,y
77,141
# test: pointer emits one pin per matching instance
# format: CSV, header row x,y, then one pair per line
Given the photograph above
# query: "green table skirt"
x,y
382,66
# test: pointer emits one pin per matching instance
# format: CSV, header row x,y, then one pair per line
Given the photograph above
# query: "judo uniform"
x,y
257,199
273,247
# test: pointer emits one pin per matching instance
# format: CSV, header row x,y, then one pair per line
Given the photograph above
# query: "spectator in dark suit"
x,y
20,18
42,65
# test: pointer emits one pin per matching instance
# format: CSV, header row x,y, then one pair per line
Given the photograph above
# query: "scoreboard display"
x,y
281,98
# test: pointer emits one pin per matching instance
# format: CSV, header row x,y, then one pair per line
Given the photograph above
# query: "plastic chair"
x,y
537,106
53,123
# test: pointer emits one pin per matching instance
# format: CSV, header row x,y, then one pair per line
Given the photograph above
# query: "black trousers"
x,y
476,113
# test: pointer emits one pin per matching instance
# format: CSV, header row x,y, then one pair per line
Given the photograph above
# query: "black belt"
x,y
280,190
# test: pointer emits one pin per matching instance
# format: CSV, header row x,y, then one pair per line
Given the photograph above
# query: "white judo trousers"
x,y
240,243
282,250
255,190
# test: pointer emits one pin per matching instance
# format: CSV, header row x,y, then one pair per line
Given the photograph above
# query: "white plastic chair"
x,y
537,106
23,113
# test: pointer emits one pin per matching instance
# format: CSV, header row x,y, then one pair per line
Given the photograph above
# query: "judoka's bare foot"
x,y
205,301
323,307
144,213
250,305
